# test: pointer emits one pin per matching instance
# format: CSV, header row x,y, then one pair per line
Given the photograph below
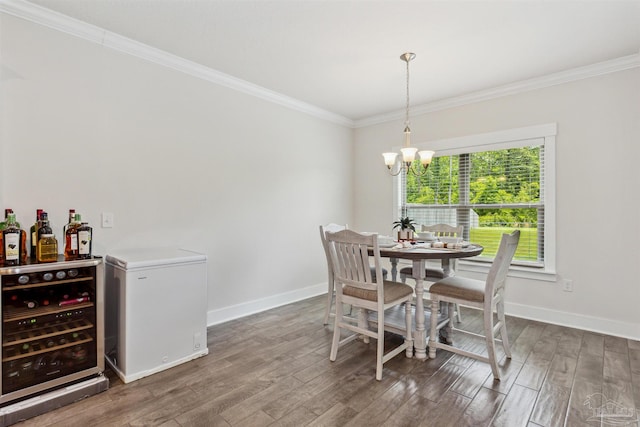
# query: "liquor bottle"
x,y
72,215
84,241
13,301
33,232
47,249
71,239
23,238
30,304
3,225
44,228
11,237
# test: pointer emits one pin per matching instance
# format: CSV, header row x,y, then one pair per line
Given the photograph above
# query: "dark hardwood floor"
x,y
273,369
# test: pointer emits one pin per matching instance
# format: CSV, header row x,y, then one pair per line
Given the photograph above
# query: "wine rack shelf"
x,y
13,353
13,287
46,332
11,315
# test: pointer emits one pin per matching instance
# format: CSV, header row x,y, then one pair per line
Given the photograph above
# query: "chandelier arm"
x,y
400,166
423,170
395,174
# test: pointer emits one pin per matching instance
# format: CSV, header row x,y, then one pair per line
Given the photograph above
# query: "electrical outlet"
x,y
107,220
567,285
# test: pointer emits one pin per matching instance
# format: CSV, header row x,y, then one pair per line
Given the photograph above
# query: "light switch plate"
x,y
107,220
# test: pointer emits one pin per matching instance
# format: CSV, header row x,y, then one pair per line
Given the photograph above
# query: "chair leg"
x,y
380,349
458,315
433,333
408,318
330,298
491,343
336,333
451,311
363,321
504,336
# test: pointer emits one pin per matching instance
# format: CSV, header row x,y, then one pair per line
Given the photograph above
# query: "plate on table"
x,y
386,242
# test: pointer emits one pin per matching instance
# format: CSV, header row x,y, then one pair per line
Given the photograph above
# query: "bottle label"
x,y
48,250
84,242
12,246
74,242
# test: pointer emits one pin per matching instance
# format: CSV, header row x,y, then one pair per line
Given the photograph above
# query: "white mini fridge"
x,y
155,310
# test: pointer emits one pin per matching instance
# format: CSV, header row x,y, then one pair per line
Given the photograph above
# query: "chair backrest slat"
x,y
350,257
498,273
323,230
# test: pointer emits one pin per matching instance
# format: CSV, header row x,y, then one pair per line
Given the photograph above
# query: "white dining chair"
x,y
355,285
332,228
487,295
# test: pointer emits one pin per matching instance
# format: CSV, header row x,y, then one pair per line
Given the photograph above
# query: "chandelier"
x,y
408,152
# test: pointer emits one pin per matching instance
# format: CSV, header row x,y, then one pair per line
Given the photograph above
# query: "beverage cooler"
x,y
52,336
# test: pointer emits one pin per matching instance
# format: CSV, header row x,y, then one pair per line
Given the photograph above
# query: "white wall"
x,y
177,160
598,226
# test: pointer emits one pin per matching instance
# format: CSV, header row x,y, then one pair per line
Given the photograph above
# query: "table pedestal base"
x,y
394,322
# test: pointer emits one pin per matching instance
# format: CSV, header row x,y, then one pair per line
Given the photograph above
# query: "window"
x,y
491,184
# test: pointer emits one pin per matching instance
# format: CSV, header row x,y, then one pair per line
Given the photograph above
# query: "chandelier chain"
x,y
407,106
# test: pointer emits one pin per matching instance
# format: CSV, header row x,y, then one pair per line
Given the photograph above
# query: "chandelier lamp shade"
x,y
408,152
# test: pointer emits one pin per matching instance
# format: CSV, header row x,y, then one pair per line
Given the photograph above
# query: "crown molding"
x,y
63,23
593,70
57,21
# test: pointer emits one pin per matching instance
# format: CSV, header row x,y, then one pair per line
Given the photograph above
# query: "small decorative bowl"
x,y
427,236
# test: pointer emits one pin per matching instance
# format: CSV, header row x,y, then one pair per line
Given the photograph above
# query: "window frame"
x,y
540,134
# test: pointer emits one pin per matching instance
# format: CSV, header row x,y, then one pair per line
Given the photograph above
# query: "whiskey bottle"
x,y
45,228
23,238
71,239
47,249
84,241
3,225
33,232
72,215
11,237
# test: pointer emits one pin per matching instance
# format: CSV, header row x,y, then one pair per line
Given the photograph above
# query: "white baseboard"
x,y
562,318
573,320
133,376
225,314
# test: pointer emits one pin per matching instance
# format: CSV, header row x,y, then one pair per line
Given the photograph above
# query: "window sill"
x,y
514,271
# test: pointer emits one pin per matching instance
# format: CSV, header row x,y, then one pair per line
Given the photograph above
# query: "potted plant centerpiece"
x,y
407,227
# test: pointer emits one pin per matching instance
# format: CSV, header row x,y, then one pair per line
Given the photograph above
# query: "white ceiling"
x,y
343,56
